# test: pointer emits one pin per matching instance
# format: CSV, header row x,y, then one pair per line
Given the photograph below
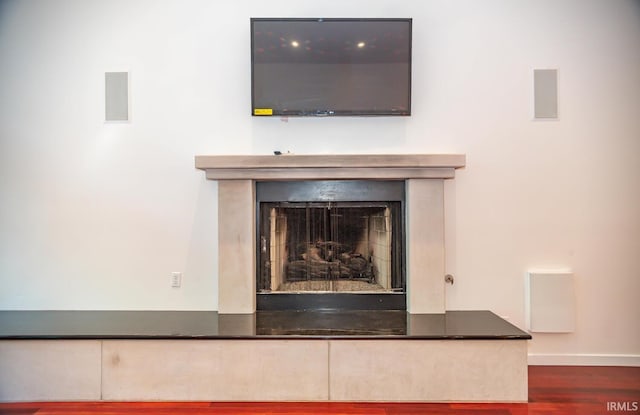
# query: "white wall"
x,y
96,215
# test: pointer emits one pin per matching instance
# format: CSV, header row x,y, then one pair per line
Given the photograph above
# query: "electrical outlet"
x,y
176,279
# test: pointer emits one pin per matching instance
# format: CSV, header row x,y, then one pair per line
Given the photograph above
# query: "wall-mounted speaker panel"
x,y
545,93
550,302
116,96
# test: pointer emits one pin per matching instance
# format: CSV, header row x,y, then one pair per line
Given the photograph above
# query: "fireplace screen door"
x,y
330,247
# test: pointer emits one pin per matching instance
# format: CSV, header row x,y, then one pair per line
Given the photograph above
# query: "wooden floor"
x,y
552,390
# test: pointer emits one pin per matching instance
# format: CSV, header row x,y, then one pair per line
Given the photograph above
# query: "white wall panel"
x,y
551,302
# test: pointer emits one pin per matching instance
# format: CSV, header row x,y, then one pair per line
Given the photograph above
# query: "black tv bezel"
x,y
329,112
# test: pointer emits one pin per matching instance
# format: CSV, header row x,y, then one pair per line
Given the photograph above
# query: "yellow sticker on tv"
x,y
262,111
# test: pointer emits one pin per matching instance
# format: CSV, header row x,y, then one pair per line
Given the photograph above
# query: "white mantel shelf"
x,y
331,166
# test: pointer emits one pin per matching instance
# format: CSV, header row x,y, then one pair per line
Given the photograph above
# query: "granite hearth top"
x,y
454,325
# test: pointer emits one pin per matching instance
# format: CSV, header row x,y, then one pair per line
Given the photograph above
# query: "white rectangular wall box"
x,y
116,96
545,93
550,302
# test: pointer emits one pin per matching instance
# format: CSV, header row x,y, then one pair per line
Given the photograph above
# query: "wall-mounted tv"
x,y
330,67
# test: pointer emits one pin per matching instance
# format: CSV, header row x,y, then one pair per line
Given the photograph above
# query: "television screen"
x,y
328,67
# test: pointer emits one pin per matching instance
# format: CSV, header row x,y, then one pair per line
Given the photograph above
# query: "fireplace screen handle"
x,y
263,244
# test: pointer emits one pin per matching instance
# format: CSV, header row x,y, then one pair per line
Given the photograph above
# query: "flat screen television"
x,y
330,67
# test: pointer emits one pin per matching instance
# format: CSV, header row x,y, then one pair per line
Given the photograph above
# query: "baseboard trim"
x,y
584,360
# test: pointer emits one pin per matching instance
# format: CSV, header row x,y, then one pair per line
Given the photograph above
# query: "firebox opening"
x,y
336,247
331,247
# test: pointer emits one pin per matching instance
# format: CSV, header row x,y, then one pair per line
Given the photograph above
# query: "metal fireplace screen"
x,y
330,247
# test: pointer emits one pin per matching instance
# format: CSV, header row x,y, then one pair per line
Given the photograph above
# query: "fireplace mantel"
x,y
331,166
423,175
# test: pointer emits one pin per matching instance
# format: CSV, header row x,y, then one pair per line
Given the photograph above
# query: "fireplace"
x,y
247,266
318,241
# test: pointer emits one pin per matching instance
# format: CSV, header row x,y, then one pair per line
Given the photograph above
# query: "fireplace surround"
x,y
421,176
